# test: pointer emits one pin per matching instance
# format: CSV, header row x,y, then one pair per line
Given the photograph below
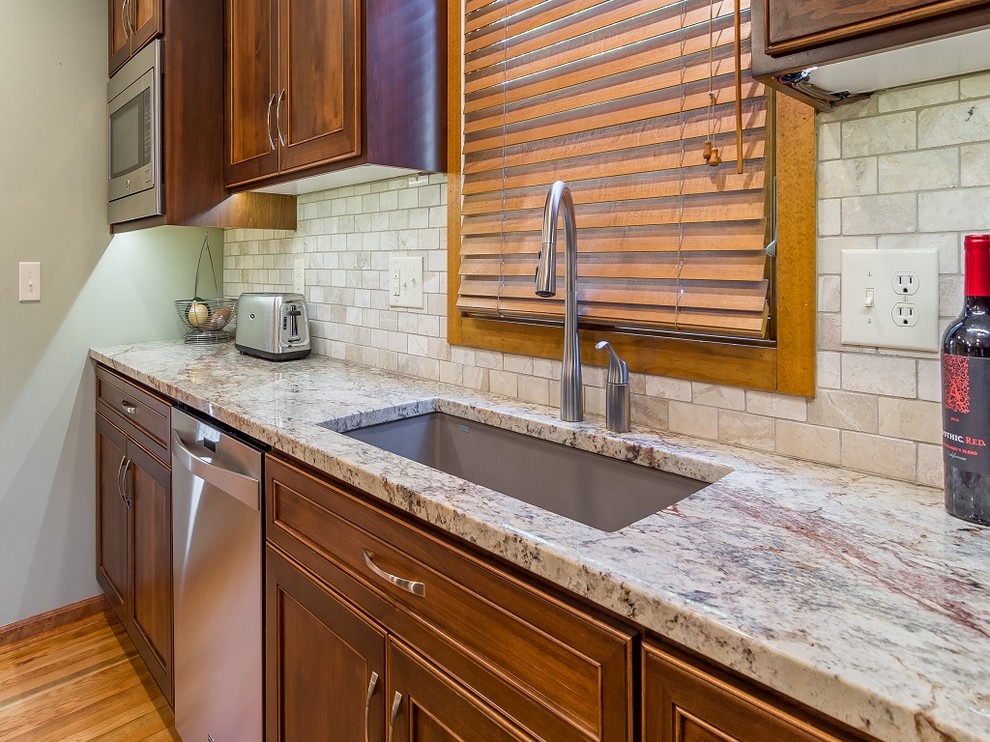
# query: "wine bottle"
x,y
966,392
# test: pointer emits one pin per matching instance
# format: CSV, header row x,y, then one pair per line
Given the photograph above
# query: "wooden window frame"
x,y
787,367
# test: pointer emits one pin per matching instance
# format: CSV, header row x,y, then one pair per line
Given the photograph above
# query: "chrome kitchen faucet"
x,y
571,402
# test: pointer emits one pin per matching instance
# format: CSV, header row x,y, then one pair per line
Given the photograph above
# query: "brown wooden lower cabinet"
x,y
425,705
325,675
134,520
685,702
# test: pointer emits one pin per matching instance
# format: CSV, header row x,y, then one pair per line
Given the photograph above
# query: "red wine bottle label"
x,y
966,412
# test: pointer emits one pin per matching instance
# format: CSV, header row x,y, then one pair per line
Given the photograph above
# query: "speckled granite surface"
x,y
855,595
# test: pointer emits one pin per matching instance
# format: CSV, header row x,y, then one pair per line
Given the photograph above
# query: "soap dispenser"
x,y
616,391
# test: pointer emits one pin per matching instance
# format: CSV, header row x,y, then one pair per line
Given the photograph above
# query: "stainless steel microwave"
x,y
135,137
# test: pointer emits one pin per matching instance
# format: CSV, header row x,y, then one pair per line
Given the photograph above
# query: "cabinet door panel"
x,y
252,79
149,488
319,48
112,544
434,708
146,22
794,26
120,42
321,658
684,703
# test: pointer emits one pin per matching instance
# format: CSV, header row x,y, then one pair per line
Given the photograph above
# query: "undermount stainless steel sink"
x,y
596,490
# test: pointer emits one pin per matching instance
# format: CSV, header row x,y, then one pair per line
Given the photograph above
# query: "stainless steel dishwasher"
x,y
216,557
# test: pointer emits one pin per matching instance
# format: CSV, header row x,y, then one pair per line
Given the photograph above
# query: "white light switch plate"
x,y
890,298
299,276
29,282
405,282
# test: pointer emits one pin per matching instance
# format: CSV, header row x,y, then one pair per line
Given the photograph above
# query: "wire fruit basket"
x,y
206,319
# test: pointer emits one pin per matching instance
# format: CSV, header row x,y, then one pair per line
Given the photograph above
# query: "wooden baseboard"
x,y
29,627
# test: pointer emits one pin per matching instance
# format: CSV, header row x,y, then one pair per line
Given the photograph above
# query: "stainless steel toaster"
x,y
273,326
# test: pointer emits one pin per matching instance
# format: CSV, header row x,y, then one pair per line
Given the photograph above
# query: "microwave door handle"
x,y
278,117
271,139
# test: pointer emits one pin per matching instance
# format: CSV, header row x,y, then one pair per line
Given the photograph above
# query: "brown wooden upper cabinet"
x,y
318,85
794,35
133,23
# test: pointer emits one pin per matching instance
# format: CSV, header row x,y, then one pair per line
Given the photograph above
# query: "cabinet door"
x,y
684,703
427,706
796,25
119,35
325,673
250,94
112,516
148,490
146,22
319,98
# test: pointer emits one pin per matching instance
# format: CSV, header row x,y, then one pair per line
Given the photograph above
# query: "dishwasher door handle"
x,y
245,489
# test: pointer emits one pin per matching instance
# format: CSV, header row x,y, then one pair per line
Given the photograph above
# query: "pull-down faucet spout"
x,y
571,402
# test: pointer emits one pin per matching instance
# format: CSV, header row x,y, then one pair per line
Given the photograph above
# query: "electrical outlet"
x,y
406,282
905,314
299,276
905,283
890,298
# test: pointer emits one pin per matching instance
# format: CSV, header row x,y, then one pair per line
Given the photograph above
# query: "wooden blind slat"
x,y
616,97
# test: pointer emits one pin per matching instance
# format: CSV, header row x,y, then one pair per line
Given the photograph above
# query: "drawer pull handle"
x,y
412,586
128,407
396,702
367,703
120,478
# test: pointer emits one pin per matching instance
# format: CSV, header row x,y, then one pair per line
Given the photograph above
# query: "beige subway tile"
x,y
746,430
855,176
594,400
829,299
829,331
503,382
859,109
926,170
451,373
885,375
830,249
829,217
917,96
667,388
889,457
844,410
893,132
649,412
911,419
930,380
476,378
714,395
693,420
974,164
975,86
930,466
808,442
956,123
829,141
518,364
534,389
488,359
777,405
885,214
959,209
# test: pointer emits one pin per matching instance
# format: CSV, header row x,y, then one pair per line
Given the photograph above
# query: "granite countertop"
x,y
855,595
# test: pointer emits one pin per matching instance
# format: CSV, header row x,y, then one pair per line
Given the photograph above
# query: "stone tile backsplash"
x,y
907,168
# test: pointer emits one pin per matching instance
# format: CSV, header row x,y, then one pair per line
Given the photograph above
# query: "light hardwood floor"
x,y
81,683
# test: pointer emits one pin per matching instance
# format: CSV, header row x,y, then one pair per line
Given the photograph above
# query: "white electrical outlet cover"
x,y
406,282
890,299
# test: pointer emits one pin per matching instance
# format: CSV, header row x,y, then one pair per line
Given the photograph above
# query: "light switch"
x,y
29,282
890,298
406,282
299,276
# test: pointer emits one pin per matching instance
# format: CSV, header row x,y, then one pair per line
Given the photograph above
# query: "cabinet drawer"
x,y
143,415
550,667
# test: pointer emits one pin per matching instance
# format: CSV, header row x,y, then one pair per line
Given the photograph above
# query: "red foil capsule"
x,y
977,247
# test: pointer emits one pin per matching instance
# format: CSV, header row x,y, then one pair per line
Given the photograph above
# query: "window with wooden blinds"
x,y
617,98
